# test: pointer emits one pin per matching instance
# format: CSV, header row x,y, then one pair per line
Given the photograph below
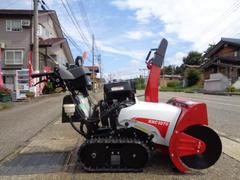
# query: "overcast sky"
x,y
126,29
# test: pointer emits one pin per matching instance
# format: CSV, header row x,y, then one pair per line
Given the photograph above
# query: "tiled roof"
x,y
231,41
234,42
21,11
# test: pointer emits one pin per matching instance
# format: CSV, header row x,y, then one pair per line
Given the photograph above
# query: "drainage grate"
x,y
34,163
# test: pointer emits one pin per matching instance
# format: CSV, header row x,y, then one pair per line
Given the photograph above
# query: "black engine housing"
x,y
119,91
116,94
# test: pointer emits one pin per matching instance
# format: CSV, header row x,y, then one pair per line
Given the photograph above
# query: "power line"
x,y
64,30
84,16
219,19
74,21
234,7
66,35
60,26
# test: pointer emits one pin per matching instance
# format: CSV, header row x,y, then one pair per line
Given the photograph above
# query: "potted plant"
x,y
5,94
30,94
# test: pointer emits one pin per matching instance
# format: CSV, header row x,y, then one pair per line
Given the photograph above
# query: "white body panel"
x,y
156,111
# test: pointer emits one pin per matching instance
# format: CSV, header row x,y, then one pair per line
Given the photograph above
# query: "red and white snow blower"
x,y
122,132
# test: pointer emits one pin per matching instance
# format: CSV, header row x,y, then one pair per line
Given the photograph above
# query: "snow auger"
x,y
121,132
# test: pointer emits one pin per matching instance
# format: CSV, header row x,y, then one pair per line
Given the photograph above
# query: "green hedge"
x,y
173,84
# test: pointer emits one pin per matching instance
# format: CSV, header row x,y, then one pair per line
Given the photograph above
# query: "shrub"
x,y
30,94
139,83
173,84
48,88
4,90
193,76
231,89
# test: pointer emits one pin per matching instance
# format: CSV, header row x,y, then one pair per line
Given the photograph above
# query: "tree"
x,y
193,76
168,69
193,58
180,70
172,69
210,47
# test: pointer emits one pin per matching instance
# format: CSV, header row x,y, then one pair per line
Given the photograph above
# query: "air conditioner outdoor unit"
x,y
2,45
25,22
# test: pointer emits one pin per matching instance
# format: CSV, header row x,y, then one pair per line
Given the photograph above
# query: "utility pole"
x,y
35,35
144,70
93,78
100,68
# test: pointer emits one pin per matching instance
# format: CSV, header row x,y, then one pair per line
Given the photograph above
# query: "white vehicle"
x,y
121,132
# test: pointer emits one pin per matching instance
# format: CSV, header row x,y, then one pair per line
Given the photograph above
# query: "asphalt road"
x,y
223,111
20,123
224,114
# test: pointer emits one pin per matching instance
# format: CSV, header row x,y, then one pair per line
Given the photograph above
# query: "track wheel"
x,y
133,156
94,156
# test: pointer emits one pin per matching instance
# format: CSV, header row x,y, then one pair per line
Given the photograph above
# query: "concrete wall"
x,y
217,82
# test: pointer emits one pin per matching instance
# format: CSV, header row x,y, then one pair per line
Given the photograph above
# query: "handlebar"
x,y
52,77
39,75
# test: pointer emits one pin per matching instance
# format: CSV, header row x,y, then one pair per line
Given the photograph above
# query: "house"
x,y
222,65
16,43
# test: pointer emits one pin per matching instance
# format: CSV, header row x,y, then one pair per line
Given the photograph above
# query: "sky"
x,y
125,30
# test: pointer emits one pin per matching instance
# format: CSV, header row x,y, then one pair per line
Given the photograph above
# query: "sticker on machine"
x,y
162,126
117,88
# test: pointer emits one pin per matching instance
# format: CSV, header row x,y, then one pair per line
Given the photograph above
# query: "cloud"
x,y
138,35
176,59
136,54
200,22
135,62
129,72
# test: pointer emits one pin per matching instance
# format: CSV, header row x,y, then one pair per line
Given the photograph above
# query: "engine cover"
x,y
119,91
158,119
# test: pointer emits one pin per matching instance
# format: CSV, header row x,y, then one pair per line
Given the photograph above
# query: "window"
x,y
47,34
14,25
235,53
40,31
13,57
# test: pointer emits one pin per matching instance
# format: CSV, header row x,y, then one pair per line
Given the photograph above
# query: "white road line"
x,y
231,148
213,102
217,98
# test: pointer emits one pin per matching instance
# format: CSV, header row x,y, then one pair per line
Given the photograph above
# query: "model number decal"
x,y
162,126
158,122
118,88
